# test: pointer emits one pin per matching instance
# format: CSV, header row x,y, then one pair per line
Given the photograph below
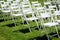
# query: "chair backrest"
x,y
53,7
27,10
26,5
6,10
37,7
45,17
5,7
57,15
28,14
36,3
50,10
15,8
40,10
47,3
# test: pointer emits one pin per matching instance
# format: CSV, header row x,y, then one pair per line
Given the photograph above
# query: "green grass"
x,y
7,33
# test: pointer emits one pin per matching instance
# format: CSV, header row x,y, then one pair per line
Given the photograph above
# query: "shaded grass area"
x,y
39,38
16,32
7,34
23,30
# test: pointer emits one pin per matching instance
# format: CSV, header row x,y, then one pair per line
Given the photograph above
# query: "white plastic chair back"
x,y
14,7
25,0
27,10
6,10
44,16
47,3
5,7
53,7
9,0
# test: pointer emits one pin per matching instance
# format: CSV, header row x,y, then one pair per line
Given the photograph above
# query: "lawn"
x,y
21,32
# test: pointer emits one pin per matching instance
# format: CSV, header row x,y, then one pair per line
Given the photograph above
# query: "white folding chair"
x,y
31,18
37,7
15,11
1,2
36,4
48,23
5,8
27,10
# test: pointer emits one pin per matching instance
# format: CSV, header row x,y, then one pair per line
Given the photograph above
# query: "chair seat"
x,y
57,13
58,21
16,14
34,2
37,4
15,10
29,12
40,8
46,3
6,11
51,24
26,5
45,15
12,7
32,18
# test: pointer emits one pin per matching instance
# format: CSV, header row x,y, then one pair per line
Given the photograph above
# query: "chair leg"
x,y
37,25
22,21
57,31
4,17
28,26
46,33
13,21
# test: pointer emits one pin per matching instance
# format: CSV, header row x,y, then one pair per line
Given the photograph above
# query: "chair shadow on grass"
x,y
1,20
39,38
